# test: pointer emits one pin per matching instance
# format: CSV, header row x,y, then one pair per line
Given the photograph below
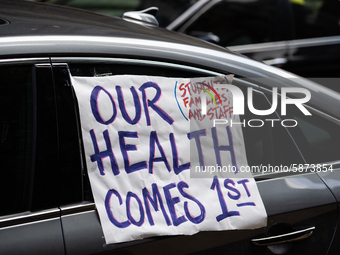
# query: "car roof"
x,y
26,18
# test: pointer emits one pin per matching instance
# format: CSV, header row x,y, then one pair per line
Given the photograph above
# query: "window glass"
x,y
317,137
266,139
240,22
29,178
16,135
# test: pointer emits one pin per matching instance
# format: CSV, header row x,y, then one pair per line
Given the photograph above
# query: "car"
x,y
47,200
301,37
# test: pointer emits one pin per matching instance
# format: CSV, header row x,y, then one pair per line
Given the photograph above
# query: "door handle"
x,y
284,238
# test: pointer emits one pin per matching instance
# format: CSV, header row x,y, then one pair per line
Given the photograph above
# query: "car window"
x,y
28,160
267,141
317,137
16,130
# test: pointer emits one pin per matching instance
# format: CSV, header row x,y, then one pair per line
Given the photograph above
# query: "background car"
x,y
47,205
299,36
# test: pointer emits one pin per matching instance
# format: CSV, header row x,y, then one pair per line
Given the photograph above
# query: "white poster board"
x,y
140,140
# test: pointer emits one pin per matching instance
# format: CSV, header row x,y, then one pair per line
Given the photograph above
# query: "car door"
x,y
302,212
29,214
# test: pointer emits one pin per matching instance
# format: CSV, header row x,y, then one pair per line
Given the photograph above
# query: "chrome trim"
x,y
242,82
285,45
24,61
324,115
179,52
77,208
259,177
28,217
56,42
87,60
281,238
335,163
310,42
43,65
59,60
259,47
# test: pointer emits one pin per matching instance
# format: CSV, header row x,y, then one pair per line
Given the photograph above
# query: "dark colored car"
x,y
46,200
302,37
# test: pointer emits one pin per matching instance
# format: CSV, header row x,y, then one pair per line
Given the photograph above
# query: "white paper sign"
x,y
141,136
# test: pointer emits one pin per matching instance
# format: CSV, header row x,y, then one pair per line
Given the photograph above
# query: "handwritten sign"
x,y
142,144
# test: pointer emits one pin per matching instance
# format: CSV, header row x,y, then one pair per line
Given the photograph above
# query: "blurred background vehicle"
x,y
300,36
